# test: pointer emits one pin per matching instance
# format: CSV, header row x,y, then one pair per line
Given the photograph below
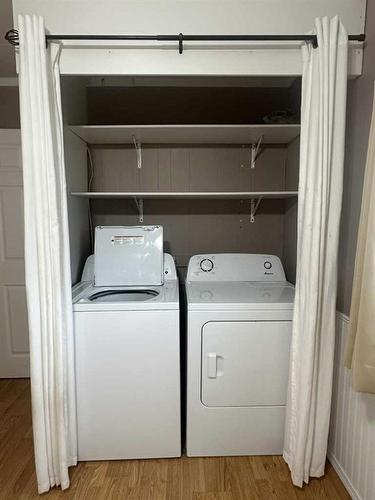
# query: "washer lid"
x,y
240,295
128,256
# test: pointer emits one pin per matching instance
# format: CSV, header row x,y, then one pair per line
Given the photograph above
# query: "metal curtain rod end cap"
x,y
12,37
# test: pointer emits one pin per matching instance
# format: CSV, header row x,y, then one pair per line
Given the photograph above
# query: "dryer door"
x,y
245,363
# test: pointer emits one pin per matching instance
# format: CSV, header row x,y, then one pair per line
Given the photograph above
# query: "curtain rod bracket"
x,y
138,150
139,204
255,151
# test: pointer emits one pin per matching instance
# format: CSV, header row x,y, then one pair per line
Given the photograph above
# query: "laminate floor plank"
x,y
185,478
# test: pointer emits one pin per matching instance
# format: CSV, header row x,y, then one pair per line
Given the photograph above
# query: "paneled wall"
x,y
188,169
196,226
351,447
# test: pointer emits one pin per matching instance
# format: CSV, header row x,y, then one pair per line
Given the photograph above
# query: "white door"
x,y
245,363
14,345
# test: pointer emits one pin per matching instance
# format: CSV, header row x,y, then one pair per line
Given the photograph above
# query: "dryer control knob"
x,y
206,265
267,264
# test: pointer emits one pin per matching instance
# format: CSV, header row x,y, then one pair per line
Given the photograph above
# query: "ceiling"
x,y
7,59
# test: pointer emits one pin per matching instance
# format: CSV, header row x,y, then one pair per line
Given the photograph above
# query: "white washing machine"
x,y
126,319
239,325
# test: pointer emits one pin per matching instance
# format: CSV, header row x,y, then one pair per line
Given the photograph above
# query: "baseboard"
x,y
343,476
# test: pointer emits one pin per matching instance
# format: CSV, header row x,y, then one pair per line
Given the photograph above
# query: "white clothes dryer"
x,y
127,348
239,324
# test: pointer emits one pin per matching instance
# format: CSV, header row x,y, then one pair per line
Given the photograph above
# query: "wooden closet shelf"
x,y
189,195
187,134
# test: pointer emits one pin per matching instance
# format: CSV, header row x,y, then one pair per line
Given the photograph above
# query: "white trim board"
x,y
190,81
190,16
203,60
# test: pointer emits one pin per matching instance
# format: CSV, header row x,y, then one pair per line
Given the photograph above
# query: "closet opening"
x,y
213,160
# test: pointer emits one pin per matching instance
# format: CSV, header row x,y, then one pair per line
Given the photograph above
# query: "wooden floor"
x,y
222,478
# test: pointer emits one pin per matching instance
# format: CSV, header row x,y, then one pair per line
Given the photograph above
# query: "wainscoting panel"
x,y
351,448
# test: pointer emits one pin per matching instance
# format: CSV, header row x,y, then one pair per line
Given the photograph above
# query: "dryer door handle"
x,y
212,365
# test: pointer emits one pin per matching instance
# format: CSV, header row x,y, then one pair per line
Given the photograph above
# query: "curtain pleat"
x,y
319,206
47,257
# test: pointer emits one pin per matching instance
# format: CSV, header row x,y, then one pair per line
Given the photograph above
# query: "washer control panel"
x,y
235,267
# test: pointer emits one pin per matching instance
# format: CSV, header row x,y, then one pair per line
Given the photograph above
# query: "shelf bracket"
x,y
254,205
138,150
139,204
255,150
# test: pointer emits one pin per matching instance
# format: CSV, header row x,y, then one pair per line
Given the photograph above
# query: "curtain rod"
x,y
13,38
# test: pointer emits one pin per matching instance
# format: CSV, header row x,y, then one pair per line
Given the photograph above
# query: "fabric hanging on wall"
x,y
324,81
360,350
47,260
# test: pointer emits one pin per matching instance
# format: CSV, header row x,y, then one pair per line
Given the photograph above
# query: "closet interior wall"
x,y
203,225
290,215
74,107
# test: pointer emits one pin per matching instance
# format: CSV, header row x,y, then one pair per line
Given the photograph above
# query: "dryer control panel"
x,y
235,267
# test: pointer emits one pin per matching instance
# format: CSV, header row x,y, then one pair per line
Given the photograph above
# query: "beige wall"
x,y
352,436
360,95
9,107
7,59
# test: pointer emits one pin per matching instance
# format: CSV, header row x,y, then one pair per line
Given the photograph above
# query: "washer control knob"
x,y
206,265
267,264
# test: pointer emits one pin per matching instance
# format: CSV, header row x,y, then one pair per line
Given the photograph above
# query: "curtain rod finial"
x,y
11,36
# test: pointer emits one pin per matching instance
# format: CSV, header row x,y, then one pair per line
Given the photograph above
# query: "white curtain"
x,y
319,206
47,261
360,352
